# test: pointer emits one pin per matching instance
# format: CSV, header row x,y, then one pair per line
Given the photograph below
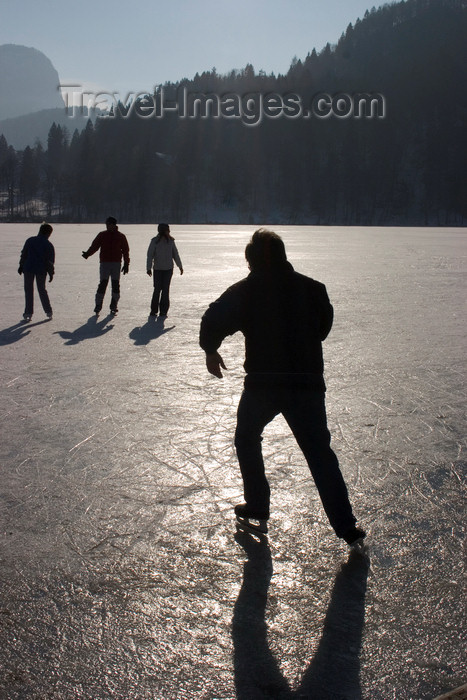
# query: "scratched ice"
x,y
120,574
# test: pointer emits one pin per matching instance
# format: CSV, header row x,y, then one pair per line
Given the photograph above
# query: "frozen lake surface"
x,y
120,573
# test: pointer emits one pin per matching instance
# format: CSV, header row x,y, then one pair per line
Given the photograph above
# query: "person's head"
x,y
164,230
111,223
45,230
265,251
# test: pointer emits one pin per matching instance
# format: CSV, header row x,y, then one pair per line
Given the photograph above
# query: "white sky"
x,y
111,45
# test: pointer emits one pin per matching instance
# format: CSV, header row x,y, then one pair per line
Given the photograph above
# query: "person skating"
x,y
113,247
162,252
284,317
37,260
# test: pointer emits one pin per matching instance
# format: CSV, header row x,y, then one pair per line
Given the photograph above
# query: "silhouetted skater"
x,y
162,253
36,262
284,317
113,247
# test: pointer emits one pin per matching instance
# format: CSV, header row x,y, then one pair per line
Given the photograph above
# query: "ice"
x,y
121,576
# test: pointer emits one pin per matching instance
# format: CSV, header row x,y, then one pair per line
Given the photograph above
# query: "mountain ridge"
x,y
28,82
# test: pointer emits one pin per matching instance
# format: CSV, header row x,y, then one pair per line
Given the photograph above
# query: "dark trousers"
x,y
106,270
305,412
160,298
29,292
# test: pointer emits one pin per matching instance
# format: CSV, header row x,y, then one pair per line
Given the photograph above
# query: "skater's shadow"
x,y
152,329
93,328
334,670
18,331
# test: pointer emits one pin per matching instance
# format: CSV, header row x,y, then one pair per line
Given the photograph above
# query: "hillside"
x,y
369,131
28,82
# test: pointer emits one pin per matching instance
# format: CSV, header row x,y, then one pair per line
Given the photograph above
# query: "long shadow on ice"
x,y
335,667
152,329
93,328
18,331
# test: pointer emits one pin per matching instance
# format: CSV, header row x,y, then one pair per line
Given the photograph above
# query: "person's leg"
x,y
115,277
165,301
255,410
28,293
104,274
43,295
305,413
157,280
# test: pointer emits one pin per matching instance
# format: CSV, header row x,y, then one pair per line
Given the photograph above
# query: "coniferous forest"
x,y
308,147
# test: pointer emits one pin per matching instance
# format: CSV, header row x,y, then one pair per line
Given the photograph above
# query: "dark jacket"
x,y
113,246
38,256
284,317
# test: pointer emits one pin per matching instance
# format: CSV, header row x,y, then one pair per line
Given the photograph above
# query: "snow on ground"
x,y
120,573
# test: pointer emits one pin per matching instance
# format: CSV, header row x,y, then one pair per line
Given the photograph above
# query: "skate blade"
x,y
359,546
257,527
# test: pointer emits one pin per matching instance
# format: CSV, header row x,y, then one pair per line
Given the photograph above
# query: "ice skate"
x,y
251,521
355,538
113,310
50,315
27,317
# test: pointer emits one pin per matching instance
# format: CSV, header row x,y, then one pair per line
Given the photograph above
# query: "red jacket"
x,y
113,245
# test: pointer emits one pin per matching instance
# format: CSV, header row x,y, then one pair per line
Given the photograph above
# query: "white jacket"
x,y
162,253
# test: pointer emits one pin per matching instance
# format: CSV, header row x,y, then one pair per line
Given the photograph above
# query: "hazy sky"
x,y
112,45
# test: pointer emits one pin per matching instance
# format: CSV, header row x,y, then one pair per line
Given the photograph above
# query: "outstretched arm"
x,y
95,245
220,320
214,362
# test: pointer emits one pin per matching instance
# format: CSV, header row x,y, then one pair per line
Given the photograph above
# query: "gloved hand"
x,y
20,270
149,272
125,269
85,255
51,277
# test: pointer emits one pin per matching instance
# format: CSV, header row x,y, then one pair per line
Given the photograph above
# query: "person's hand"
x,y
125,269
51,277
214,362
20,270
181,270
149,272
85,255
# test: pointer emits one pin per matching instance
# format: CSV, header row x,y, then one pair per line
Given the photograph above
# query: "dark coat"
x,y
113,247
38,256
284,317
